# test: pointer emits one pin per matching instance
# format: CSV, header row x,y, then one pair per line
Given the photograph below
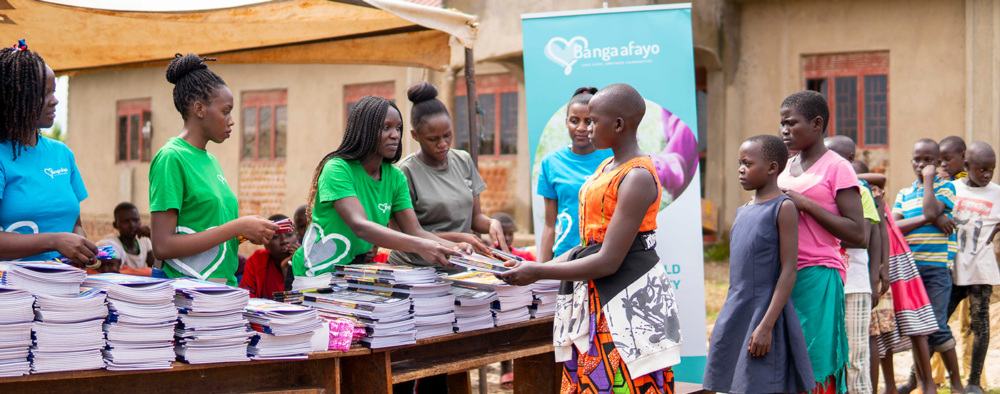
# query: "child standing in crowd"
x,y
975,271
931,199
860,288
509,228
561,175
444,184
618,279
262,274
757,345
194,211
824,188
40,186
132,244
355,191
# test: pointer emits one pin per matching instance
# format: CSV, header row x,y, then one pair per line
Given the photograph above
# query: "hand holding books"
x,y
522,273
439,254
261,232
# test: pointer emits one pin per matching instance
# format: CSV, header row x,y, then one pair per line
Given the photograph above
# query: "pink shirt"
x,y
820,183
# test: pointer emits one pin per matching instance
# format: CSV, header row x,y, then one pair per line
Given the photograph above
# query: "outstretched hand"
x,y
523,273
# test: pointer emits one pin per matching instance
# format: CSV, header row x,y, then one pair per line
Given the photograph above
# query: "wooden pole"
x,y
471,100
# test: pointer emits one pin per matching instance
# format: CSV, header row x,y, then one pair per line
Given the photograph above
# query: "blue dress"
x,y
754,267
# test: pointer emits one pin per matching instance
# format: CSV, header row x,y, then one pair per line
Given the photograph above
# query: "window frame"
x,y
354,92
129,108
497,85
859,65
257,99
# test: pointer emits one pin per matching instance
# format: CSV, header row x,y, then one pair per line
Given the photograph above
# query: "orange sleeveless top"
x,y
599,197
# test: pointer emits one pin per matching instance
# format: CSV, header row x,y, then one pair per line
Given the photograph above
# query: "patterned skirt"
x,y
914,315
601,370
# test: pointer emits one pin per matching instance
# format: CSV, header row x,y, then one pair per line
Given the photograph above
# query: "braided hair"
x,y
425,103
361,139
22,96
192,80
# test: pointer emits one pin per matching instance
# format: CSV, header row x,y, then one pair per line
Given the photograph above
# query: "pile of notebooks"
x,y
544,293
511,305
67,331
472,307
16,316
42,277
140,327
210,323
388,320
432,305
283,331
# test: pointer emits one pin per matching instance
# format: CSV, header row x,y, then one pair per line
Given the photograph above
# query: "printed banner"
x,y
649,48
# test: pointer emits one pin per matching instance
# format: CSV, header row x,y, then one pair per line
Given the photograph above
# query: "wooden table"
x,y
360,370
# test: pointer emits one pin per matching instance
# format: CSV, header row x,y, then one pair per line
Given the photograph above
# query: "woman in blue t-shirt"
x,y
562,173
40,186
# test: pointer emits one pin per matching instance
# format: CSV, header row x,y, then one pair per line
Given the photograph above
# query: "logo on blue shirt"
x,y
54,173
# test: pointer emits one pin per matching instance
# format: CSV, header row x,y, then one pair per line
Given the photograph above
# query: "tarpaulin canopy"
x,y
89,35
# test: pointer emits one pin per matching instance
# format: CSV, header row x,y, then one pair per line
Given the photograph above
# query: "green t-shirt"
x,y
190,180
328,240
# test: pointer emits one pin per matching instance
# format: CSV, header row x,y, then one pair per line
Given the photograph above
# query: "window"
x,y
498,99
856,87
353,93
264,120
135,130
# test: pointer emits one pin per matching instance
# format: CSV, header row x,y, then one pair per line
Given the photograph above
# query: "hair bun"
x,y
183,65
586,89
421,92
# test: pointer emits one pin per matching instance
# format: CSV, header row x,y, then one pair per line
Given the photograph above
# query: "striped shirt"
x,y
929,245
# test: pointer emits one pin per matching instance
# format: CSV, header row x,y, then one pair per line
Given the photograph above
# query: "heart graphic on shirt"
x,y
203,264
383,207
320,251
563,223
13,227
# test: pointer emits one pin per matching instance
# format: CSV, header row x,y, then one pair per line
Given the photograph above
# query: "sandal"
x,y
507,381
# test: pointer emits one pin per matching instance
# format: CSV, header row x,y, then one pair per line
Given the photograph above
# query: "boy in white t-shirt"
x,y
132,243
975,270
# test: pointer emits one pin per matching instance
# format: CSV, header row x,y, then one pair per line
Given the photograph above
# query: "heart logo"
x,y
384,207
318,252
221,178
563,223
17,225
203,264
561,52
50,173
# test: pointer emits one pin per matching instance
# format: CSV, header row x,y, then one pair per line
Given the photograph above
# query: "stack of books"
x,y
210,324
16,316
433,308
388,320
544,293
478,262
141,320
472,307
67,331
42,277
283,331
511,305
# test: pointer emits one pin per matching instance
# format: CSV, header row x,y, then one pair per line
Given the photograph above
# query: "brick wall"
x,y
262,187
499,177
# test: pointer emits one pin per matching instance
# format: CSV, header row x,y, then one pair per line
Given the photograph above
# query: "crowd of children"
x,y
870,281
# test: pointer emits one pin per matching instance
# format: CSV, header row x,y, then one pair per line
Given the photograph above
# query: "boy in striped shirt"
x,y
924,215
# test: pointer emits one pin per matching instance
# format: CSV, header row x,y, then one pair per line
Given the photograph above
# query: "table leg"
x,y
459,383
537,374
484,384
366,374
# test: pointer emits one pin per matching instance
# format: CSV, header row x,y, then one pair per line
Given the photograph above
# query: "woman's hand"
x,y
523,273
79,250
465,247
434,252
797,198
475,244
496,233
760,341
256,229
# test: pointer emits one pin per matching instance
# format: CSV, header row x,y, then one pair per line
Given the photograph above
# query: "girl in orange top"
x,y
613,285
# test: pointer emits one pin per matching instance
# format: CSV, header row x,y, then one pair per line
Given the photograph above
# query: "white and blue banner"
x,y
649,48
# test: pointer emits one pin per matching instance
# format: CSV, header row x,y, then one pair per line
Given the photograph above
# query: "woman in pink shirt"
x,y
824,188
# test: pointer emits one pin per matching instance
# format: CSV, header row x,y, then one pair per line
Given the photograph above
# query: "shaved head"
x,y
620,101
980,152
843,145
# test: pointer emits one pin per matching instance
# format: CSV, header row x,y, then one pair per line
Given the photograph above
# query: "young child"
x,y
952,159
975,271
262,274
509,228
757,345
929,200
633,290
860,289
132,244
824,188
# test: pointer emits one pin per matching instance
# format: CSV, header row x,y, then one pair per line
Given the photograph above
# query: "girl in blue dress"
x,y
757,345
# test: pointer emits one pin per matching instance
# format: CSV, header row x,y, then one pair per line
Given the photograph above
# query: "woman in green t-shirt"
x,y
355,191
194,211
444,183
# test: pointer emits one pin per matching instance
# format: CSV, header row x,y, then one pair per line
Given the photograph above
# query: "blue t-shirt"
x,y
929,245
560,178
40,192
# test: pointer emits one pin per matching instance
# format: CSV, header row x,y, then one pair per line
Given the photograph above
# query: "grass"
x,y
716,287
